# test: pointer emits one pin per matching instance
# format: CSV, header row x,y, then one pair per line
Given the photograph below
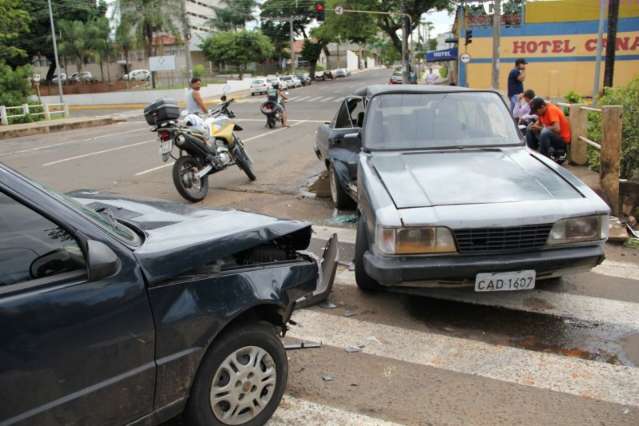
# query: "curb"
x,y
210,101
7,132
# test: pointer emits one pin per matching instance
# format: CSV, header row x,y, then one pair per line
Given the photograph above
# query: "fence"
x,y
48,111
609,146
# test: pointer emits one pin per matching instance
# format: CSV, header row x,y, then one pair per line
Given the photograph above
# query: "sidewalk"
x,y
28,129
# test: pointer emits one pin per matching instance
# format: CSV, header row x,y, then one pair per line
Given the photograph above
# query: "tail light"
x,y
165,135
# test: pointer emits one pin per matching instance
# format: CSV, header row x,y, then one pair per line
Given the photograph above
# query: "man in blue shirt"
x,y
516,82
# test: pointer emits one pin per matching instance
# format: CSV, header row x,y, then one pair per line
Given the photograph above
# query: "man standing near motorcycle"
x,y
277,95
194,102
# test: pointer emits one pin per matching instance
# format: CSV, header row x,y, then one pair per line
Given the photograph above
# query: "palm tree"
x,y
75,43
99,35
233,15
125,40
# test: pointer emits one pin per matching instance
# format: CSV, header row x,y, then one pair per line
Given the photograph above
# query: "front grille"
x,y
496,240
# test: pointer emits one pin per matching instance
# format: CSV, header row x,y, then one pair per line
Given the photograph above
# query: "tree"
x,y
37,41
15,85
99,38
147,18
14,21
237,48
233,15
125,40
74,42
432,44
318,42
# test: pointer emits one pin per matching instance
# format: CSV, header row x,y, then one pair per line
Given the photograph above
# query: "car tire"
x,y
235,344
363,280
340,197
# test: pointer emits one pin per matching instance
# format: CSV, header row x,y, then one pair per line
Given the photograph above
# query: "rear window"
x,y
437,120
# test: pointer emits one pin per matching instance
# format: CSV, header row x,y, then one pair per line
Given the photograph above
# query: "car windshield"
x,y
285,78
258,81
438,120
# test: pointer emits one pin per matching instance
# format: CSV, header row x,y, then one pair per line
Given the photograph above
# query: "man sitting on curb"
x,y
551,130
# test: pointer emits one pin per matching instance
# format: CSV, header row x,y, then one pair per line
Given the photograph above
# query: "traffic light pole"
x,y
496,40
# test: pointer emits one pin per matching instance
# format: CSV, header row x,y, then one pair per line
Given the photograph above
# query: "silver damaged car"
x,y
450,196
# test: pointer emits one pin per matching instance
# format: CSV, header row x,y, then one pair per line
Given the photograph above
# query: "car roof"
x,y
379,89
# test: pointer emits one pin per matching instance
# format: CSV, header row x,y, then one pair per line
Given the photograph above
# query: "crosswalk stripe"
x,y
315,99
575,376
295,411
564,305
338,99
326,99
609,268
303,98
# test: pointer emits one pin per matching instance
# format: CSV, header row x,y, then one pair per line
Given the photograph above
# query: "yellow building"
x,y
558,39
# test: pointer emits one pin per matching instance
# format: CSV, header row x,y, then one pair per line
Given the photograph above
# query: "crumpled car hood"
x,y
425,179
180,238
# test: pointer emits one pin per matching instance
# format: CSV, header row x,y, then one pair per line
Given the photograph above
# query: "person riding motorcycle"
x,y
278,96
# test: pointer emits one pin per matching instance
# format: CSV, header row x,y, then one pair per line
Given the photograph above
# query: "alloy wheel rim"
x,y
243,385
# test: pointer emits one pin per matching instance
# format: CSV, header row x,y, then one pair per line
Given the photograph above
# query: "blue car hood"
x,y
180,238
457,177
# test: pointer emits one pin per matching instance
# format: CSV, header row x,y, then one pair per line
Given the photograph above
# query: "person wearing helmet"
x,y
276,95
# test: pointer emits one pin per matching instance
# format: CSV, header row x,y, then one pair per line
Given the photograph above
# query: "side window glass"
x,y
33,247
343,119
356,111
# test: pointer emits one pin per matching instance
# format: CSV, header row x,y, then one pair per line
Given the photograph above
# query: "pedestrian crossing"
x,y
375,329
297,99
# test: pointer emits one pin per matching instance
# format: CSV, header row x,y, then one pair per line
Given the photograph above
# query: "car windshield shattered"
x,y
438,120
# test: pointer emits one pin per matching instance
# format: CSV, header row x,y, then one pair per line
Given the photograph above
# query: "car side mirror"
x,y
103,262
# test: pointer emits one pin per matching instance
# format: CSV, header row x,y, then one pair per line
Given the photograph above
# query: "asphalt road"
x,y
566,353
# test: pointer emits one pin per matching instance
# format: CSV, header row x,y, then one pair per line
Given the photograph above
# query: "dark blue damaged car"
x,y
115,311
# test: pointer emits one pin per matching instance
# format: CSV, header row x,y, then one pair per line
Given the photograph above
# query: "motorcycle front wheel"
x,y
186,181
243,161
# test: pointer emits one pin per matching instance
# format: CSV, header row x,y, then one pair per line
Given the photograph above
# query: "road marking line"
x,y
56,145
92,154
609,268
583,378
295,411
563,305
290,120
340,99
163,166
315,99
303,98
293,98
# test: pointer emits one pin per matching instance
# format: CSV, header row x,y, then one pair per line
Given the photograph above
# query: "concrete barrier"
x,y
40,127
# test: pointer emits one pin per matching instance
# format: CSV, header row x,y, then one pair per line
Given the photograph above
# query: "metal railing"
x,y
48,111
609,146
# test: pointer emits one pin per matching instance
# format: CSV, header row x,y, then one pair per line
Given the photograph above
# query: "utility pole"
x,y
613,15
405,55
496,40
602,17
291,22
462,31
58,71
187,42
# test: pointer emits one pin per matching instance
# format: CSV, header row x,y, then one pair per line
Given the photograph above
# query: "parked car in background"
x,y
84,76
396,78
450,196
138,75
259,86
273,79
305,79
297,81
62,78
118,311
320,76
340,73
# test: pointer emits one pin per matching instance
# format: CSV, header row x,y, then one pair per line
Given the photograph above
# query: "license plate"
x,y
166,146
505,281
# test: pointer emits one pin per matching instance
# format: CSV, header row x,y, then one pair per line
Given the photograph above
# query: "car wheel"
x,y
241,379
340,197
363,280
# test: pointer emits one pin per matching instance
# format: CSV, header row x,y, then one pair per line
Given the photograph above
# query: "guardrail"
x,y
46,110
609,146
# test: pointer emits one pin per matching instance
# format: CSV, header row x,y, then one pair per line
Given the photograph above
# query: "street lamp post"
x,y
55,54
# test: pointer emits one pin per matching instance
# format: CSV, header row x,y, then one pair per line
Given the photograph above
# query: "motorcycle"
x,y
204,146
273,114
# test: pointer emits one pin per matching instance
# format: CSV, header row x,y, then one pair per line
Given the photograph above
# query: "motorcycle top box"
x,y
161,111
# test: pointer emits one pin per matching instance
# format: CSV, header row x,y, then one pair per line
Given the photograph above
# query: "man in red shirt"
x,y
552,129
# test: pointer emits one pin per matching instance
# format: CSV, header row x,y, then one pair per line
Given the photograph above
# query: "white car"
x,y
272,80
297,81
340,72
259,87
63,78
81,76
138,75
289,81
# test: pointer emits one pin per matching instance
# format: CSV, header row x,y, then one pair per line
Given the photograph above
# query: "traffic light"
x,y
469,37
320,11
